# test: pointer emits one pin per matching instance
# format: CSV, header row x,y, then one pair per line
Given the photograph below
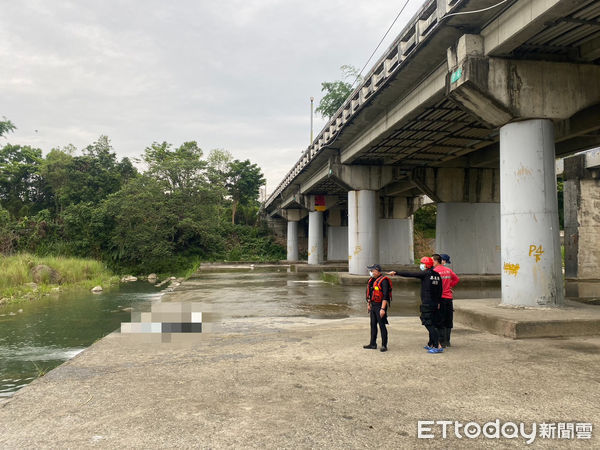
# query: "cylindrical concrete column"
x,y
363,242
315,237
530,241
292,240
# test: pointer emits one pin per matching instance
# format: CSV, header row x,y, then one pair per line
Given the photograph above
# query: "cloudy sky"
x,y
231,74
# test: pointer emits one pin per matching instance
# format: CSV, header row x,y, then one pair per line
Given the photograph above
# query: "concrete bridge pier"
x,y
363,239
293,216
315,237
582,220
292,240
531,254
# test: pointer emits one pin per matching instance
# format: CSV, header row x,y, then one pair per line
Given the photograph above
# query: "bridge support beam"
x,y
315,237
470,234
531,255
582,221
292,240
363,239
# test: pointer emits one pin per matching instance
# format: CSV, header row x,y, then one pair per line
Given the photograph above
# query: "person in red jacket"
x,y
449,280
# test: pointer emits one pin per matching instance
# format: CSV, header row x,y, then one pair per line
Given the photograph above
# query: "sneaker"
x,y
435,350
427,347
371,346
383,349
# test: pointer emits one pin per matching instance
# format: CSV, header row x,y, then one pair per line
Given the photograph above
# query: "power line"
x,y
381,41
477,10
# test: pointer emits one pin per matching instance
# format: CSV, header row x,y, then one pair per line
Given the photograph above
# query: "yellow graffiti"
x,y
536,251
523,171
511,269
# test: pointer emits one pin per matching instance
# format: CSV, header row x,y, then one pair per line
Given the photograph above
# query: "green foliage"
x,y
425,220
165,221
74,272
180,169
21,187
94,175
250,244
337,92
6,126
243,180
85,230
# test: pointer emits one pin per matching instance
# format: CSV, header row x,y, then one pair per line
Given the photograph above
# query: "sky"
x,y
229,74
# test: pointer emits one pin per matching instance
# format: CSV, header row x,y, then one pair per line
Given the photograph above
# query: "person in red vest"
x,y
449,280
379,296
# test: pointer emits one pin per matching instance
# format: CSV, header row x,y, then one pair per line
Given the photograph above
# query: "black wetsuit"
x,y
431,294
376,318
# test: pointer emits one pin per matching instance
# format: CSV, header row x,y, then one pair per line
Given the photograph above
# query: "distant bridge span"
x,y
467,108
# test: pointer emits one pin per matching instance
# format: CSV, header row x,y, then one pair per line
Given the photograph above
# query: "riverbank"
x,y
28,277
305,383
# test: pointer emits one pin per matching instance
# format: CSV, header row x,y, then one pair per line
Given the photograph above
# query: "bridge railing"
x,y
412,36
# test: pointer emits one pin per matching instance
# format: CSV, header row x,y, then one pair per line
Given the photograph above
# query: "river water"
x,y
37,336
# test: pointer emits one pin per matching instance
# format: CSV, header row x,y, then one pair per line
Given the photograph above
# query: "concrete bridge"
x,y
471,105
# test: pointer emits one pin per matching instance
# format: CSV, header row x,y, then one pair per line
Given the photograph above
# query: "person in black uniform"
x,y
431,295
379,296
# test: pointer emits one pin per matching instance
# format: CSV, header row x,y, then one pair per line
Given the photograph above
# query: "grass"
x,y
16,279
40,371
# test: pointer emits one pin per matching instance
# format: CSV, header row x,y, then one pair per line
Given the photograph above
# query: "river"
x,y
37,336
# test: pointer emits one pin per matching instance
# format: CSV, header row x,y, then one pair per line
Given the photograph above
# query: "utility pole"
x,y
312,100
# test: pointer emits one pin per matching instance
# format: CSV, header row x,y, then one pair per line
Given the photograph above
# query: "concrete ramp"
x,y
575,319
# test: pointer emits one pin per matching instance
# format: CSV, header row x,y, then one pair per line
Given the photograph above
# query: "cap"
x,y
446,258
427,261
374,267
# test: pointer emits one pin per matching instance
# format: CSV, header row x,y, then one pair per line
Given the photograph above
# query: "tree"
x,y
218,164
6,126
180,169
141,226
243,182
56,170
90,177
21,186
337,92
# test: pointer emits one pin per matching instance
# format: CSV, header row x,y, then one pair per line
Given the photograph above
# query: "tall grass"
x,y
15,273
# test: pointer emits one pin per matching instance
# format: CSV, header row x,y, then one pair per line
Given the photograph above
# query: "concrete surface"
x,y
573,319
304,384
